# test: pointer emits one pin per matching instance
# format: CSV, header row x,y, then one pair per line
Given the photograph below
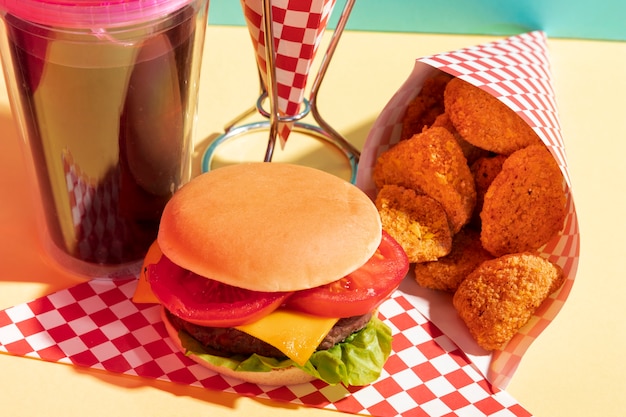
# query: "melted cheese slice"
x,y
143,292
295,334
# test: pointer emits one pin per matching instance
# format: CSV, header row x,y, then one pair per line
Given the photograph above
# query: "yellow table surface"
x,y
575,368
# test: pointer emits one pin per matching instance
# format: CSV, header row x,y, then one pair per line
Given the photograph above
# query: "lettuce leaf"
x,y
356,361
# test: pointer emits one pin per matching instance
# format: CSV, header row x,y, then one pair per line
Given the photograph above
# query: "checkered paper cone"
x,y
298,27
96,325
516,71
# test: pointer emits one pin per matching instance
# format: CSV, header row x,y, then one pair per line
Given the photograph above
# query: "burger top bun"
x,y
270,227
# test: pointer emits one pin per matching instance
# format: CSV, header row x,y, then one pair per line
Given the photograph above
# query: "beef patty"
x,y
228,341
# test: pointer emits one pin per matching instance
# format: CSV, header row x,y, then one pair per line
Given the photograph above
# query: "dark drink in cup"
x,y
107,111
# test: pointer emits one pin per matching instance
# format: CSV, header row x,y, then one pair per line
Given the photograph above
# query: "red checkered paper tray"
x,y
96,325
516,71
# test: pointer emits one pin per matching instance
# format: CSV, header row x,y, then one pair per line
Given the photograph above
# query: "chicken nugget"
x,y
426,106
471,152
447,273
485,121
525,205
484,170
501,295
417,222
431,163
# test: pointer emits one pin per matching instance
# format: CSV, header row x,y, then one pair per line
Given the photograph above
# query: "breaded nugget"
x,y
525,204
471,152
484,170
501,295
417,222
426,106
431,163
485,121
447,273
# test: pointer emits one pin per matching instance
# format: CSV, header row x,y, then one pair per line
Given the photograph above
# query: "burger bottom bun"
x,y
277,377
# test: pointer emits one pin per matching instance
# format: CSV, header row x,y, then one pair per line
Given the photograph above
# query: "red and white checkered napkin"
x,y
96,325
298,26
516,71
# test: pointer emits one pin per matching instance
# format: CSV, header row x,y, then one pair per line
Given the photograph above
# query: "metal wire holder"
x,y
269,93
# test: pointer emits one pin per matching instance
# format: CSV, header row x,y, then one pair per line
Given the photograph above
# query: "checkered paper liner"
x,y
516,71
298,27
96,325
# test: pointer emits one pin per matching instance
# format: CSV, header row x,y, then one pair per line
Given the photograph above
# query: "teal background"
x,y
582,19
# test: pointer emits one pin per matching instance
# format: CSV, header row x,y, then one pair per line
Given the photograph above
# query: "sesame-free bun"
x,y
276,377
270,226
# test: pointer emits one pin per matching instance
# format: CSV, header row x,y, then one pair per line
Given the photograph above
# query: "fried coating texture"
x,y
431,163
447,273
471,152
426,106
485,121
484,170
501,295
525,205
417,222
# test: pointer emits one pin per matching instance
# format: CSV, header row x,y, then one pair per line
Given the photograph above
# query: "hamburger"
x,y
272,274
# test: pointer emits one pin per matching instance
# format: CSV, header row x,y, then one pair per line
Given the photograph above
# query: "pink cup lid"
x,y
90,13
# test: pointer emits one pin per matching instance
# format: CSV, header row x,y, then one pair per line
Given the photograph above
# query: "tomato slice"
x,y
361,291
207,302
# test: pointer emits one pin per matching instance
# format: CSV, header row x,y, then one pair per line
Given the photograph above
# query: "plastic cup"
x,y
104,95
